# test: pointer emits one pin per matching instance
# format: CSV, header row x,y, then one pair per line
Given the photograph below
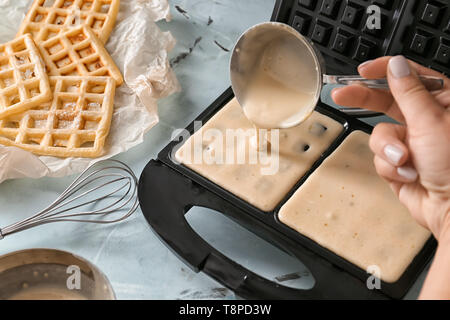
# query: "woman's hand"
x,y
414,156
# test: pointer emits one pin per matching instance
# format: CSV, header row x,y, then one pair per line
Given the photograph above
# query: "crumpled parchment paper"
x,y
140,49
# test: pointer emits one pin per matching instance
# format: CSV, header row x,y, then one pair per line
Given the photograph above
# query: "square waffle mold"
x,y
300,147
78,52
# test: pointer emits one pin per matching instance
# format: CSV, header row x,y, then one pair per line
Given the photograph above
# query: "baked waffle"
x,y
74,124
47,18
78,52
23,81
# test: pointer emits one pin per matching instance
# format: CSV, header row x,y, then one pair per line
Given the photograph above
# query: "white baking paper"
x,y
140,49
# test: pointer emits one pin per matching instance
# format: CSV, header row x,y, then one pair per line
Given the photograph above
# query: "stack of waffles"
x,y
57,81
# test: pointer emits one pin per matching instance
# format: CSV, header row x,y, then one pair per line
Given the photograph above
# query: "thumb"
x,y
419,107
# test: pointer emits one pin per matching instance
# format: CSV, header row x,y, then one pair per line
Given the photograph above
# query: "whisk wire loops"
x,y
106,180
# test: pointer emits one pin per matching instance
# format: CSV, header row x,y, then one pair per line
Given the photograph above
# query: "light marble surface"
x,y
138,265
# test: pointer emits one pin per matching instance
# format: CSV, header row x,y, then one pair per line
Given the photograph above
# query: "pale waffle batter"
x,y
347,208
23,81
75,124
47,18
78,52
300,148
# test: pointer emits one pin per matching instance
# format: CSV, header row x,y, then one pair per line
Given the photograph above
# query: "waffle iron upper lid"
x,y
349,32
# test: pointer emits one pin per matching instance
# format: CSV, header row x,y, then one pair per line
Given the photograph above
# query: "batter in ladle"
x,y
284,86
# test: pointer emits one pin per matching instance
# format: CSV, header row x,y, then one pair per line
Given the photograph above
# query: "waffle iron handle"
x,y
165,197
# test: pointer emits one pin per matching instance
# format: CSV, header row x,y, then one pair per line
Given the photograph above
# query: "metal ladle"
x,y
253,44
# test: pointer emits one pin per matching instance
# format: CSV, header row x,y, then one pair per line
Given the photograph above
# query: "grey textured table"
x,y
138,265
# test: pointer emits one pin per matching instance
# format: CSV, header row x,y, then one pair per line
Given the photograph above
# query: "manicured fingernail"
x,y
408,173
399,67
362,65
394,154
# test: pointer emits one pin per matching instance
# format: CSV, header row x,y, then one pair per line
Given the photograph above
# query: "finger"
x,y
396,187
391,173
410,195
387,143
374,69
419,107
357,96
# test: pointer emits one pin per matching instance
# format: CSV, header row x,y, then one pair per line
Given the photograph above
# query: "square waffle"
x,y
23,80
78,52
74,124
47,18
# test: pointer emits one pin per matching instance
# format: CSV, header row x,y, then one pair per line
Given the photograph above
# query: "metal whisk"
x,y
113,188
